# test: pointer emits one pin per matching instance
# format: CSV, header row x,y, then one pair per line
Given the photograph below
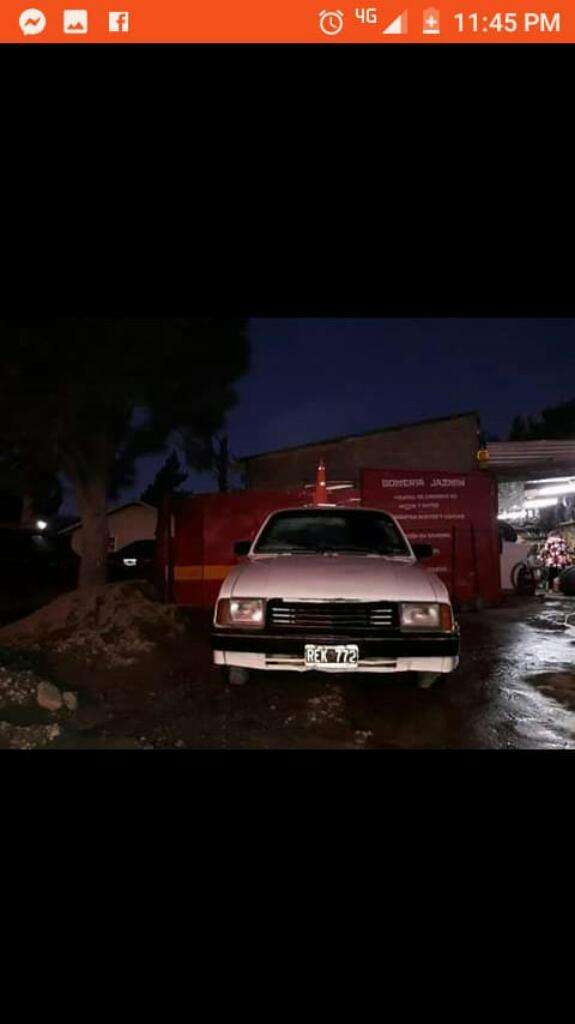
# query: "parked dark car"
x,y
135,561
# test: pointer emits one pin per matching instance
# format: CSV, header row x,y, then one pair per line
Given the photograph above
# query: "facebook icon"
x,y
118,21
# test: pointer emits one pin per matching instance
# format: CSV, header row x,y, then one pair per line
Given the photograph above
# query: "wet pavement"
x,y
514,688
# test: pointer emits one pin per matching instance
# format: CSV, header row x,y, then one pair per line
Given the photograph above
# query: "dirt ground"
x,y
515,688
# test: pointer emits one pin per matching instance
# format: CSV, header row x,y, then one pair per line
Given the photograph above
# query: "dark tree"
x,y
519,429
555,422
558,421
209,454
37,490
87,397
167,481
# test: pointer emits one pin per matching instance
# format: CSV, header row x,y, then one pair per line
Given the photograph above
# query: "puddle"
x,y
558,685
547,624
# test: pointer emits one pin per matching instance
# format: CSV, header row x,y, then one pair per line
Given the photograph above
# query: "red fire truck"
x,y
455,513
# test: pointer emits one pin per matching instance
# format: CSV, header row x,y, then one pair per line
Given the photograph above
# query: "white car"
x,y
334,589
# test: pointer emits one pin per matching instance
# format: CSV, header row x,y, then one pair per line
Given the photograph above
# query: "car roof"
x,y
327,505
138,543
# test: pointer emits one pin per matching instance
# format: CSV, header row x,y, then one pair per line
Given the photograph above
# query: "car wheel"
x,y
235,676
425,680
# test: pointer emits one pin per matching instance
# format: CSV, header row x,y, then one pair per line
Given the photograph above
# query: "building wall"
x,y
125,526
449,444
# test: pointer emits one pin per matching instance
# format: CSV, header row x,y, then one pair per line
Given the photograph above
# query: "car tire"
x,y
425,680
235,676
523,580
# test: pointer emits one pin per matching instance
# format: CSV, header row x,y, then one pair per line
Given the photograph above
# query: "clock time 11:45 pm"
x,y
526,21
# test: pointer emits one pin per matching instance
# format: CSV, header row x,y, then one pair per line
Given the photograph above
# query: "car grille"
x,y
338,617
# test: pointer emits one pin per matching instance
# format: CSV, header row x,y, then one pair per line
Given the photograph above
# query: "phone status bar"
x,y
300,21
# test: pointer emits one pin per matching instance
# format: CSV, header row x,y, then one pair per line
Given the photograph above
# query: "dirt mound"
x,y
115,624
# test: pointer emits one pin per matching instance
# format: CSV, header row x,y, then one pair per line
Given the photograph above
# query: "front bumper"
x,y
398,653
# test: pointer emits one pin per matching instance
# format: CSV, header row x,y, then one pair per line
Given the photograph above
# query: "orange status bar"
x,y
295,21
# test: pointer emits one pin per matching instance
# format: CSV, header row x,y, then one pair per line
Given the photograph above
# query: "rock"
x,y
361,735
28,737
70,700
49,697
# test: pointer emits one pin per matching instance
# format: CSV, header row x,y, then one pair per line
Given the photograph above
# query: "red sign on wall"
x,y
456,513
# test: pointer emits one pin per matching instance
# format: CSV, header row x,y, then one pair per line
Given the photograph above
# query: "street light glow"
x,y
540,503
543,492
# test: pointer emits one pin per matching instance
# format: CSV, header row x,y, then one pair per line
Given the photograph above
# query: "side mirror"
x,y
422,551
241,547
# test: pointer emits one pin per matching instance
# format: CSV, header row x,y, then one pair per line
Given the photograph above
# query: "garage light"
x,y
543,492
541,503
551,480
41,524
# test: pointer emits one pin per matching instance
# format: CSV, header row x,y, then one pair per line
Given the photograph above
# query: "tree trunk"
x,y
222,464
92,500
222,479
27,516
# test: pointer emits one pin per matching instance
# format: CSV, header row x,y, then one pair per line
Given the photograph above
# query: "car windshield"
x,y
345,531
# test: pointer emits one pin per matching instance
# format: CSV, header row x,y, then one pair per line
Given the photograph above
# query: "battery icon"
x,y
431,21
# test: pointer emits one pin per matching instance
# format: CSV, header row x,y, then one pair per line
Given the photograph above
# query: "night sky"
x,y
314,378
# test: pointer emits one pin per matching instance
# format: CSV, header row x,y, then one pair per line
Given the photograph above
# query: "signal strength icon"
x,y
398,27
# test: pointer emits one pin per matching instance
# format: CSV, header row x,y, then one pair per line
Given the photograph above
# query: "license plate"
x,y
340,656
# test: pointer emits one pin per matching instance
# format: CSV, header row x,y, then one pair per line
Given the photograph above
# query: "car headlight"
x,y
426,616
248,612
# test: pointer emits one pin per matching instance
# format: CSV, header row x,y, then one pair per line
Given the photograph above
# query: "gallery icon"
x,y
118,21
431,22
32,21
331,22
75,23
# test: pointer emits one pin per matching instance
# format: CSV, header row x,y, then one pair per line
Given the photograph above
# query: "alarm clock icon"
x,y
331,22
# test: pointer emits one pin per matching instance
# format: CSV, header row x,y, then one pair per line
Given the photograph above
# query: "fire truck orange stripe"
x,y
188,572
216,572
184,573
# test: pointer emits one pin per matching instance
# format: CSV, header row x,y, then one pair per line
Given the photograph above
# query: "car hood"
x,y
345,577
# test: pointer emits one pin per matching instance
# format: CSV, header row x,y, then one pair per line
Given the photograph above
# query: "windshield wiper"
x,y
288,551
321,549
357,550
